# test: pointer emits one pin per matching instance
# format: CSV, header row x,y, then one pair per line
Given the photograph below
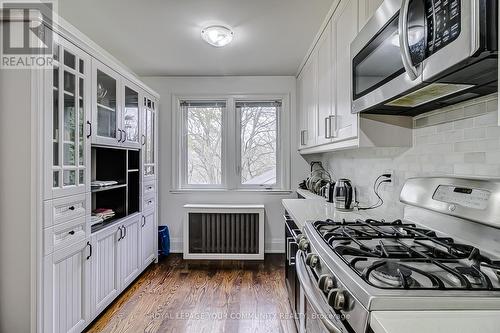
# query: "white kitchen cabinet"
x,y
106,99
309,102
67,118
130,116
324,91
129,250
148,234
326,105
149,133
345,28
66,289
104,268
366,10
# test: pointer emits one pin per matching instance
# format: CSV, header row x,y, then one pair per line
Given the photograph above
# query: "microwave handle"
x,y
403,41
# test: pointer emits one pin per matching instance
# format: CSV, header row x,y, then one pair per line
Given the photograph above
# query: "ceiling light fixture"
x,y
217,35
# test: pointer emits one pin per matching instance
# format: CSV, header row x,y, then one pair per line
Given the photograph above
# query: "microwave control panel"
x,y
447,25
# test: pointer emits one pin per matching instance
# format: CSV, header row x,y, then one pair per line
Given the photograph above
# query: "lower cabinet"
x,y
66,288
148,233
104,268
82,279
129,251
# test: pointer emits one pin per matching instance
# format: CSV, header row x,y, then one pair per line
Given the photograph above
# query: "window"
x,y
203,142
230,143
258,142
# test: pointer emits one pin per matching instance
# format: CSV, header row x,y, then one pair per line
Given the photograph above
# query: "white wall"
x,y
461,140
171,204
15,204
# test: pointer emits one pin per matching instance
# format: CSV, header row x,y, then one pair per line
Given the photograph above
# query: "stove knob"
x,y
312,260
326,282
337,299
303,244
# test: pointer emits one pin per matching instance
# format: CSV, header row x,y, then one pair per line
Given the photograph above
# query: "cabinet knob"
x,y
71,208
72,232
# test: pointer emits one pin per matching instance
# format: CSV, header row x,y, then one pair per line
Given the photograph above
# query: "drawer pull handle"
x,y
72,232
71,208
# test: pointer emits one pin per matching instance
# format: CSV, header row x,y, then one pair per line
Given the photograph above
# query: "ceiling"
x,y
162,37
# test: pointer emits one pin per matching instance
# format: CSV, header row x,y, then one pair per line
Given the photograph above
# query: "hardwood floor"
x,y
198,296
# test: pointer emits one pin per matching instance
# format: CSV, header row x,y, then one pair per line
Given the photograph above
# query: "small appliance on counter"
x,y
318,179
343,195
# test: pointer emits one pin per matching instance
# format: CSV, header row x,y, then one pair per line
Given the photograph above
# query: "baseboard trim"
x,y
276,245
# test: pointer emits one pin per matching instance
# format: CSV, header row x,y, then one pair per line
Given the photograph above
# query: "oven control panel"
x,y
465,197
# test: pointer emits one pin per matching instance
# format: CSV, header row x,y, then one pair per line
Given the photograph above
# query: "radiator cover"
x,y
224,232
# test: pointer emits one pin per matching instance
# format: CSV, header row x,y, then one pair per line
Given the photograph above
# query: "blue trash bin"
x,y
163,241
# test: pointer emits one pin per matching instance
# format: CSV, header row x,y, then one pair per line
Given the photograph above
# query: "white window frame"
x,y
231,155
237,156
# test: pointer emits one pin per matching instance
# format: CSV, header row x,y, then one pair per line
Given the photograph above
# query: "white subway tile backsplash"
x,y
462,140
475,133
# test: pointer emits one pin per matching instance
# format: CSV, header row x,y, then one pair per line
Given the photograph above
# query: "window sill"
x,y
198,190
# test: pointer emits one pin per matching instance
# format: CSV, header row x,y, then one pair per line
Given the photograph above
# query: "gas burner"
x,y
392,274
397,255
472,274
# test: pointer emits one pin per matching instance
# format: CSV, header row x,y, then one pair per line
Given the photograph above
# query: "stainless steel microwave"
x,y
418,55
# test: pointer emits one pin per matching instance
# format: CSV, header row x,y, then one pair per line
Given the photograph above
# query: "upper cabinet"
x,y
326,122
130,115
106,105
67,122
325,126
115,119
345,28
149,123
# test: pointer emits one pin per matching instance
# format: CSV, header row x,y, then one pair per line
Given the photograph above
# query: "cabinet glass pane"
x,y
69,177
81,177
81,122
106,105
69,83
81,68
131,115
69,122
55,125
55,181
149,154
69,59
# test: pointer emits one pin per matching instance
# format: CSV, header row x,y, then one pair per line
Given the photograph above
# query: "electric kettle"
x,y
343,195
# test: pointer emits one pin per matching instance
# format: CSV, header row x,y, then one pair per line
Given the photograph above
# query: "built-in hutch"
x,y
93,150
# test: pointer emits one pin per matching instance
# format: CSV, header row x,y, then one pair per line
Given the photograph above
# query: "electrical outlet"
x,y
393,177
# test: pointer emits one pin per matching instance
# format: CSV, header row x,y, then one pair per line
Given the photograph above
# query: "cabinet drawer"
x,y
149,187
149,202
65,234
65,209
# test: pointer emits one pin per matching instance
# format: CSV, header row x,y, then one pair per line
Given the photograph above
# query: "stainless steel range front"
x,y
441,256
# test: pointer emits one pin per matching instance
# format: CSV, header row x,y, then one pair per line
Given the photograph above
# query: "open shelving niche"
x,y
121,165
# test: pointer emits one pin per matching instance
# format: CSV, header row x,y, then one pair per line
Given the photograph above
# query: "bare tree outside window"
x,y
204,144
258,142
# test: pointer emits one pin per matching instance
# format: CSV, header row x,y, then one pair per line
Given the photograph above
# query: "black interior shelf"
x,y
123,199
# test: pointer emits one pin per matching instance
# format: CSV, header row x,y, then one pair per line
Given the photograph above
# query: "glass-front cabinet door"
x,y
67,121
130,115
148,137
106,106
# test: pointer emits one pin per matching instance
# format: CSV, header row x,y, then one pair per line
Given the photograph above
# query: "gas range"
x,y
434,259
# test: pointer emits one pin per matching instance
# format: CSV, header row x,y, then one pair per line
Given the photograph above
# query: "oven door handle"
x,y
308,286
404,46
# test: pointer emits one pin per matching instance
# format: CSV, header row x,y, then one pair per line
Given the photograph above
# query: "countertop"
x,y
315,207
435,321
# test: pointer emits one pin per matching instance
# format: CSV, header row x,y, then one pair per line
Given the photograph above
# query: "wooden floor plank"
x,y
202,297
